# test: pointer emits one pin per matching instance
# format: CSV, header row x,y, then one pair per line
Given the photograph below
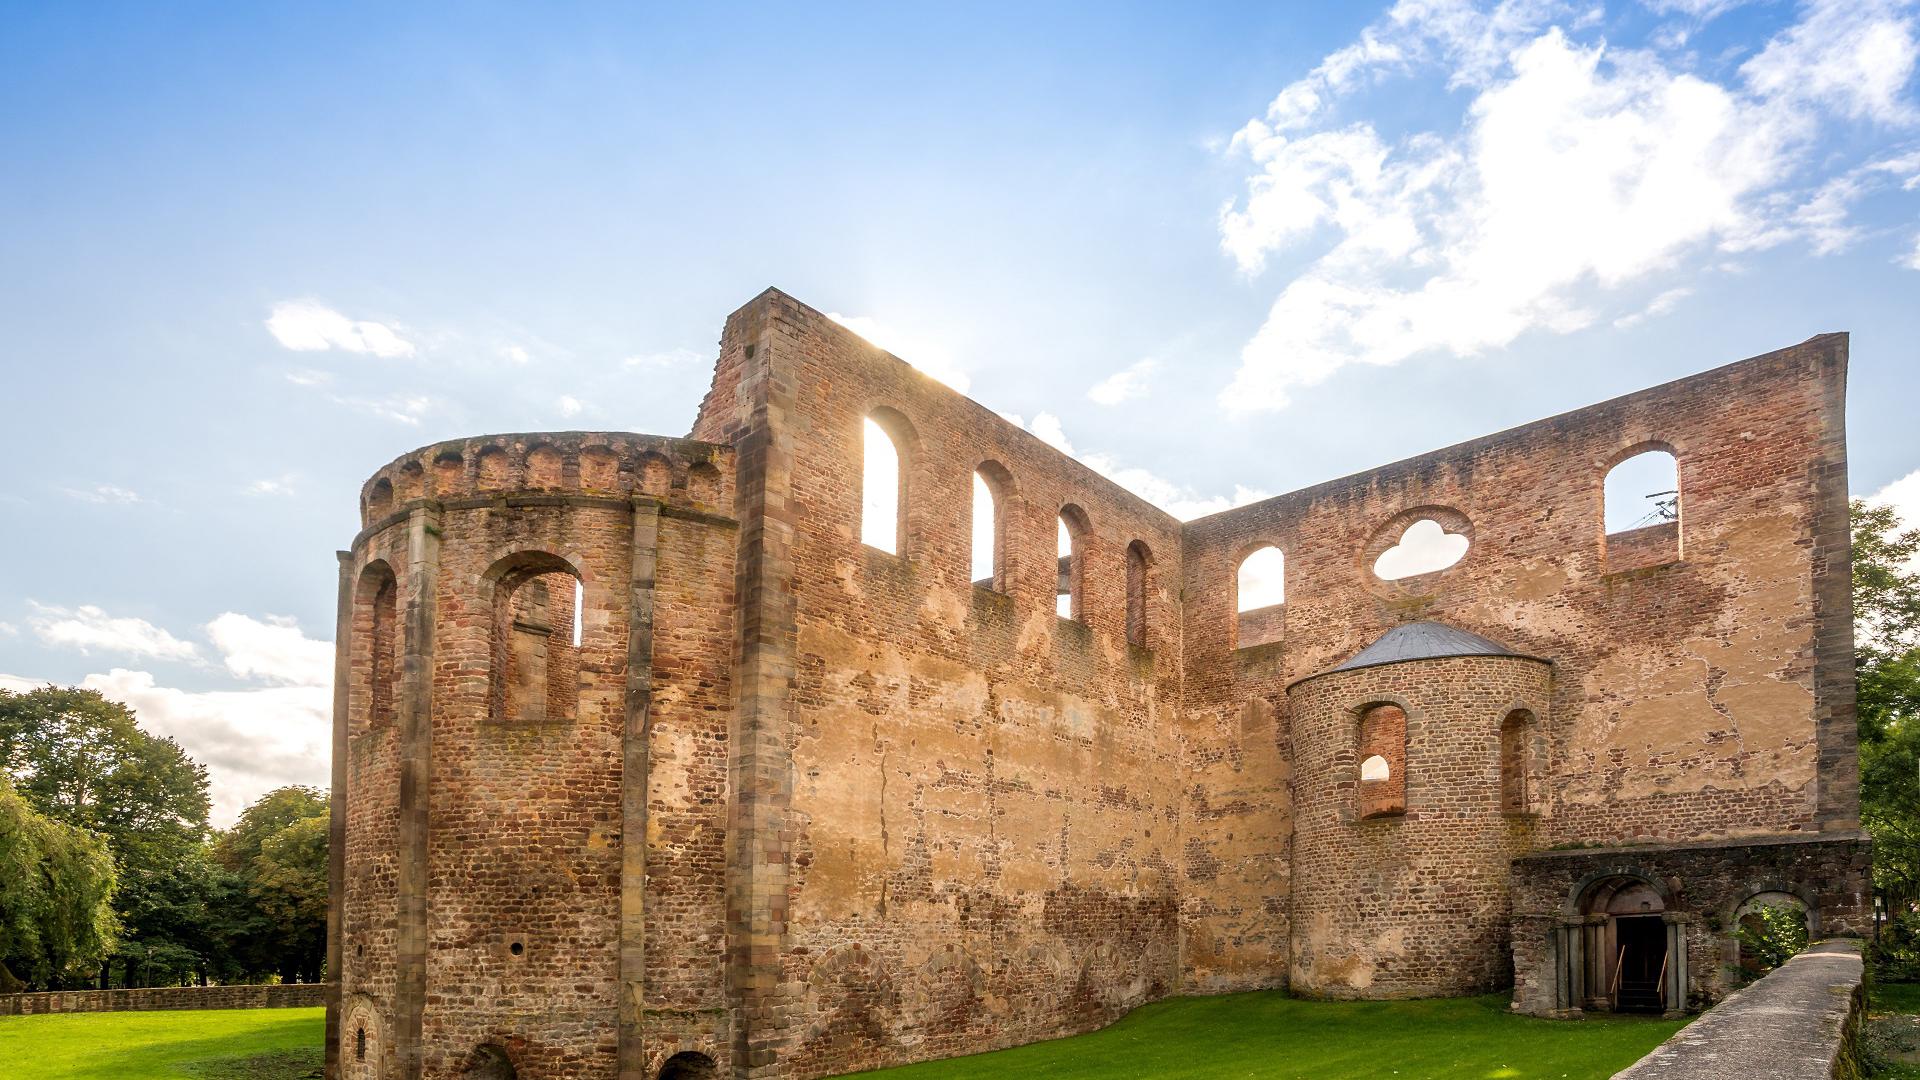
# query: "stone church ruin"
x,y
653,759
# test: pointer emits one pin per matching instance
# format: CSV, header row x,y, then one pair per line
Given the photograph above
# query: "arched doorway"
x,y
689,1065
1631,947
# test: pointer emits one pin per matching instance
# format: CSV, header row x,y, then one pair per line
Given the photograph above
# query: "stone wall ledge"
x,y
1797,1023
259,996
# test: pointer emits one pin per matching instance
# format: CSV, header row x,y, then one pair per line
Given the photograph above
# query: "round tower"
x,y
500,653
1420,773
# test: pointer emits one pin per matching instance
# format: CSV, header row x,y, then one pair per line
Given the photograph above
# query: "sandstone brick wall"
x,y
1707,697
497,915
801,806
1410,904
1702,884
275,996
985,795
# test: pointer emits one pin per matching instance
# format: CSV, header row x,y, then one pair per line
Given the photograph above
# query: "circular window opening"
x,y
516,948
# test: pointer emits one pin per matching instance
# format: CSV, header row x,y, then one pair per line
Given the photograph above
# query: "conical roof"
x,y
1422,641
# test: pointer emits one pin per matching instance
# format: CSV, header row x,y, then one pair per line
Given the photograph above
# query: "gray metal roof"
x,y
1422,641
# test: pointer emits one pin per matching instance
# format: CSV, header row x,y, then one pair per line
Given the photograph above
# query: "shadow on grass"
x,y
234,1056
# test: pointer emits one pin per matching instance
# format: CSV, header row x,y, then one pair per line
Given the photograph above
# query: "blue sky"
x,y
250,253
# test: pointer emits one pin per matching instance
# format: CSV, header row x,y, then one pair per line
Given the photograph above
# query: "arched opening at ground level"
x,y
1632,953
689,1065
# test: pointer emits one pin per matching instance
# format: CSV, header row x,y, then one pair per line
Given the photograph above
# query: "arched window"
x,y
1521,770
1070,590
536,639
1139,559
988,565
379,499
689,1065
1260,594
703,484
654,474
374,668
1383,761
1426,547
883,481
545,467
1642,510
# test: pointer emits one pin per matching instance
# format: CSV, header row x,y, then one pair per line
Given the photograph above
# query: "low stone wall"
x,y
278,996
1797,1023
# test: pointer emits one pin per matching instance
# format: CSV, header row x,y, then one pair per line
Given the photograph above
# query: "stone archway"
x,y
1630,952
689,1065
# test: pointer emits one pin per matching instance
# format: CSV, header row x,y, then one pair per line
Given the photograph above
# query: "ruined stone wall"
x,y
491,898
1411,903
1701,884
1710,695
984,795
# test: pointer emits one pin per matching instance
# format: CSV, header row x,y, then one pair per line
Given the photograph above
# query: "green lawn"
x,y
188,1044
1274,1037
1265,1035
1890,1041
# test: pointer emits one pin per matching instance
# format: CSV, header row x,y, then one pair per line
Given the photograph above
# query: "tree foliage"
x,y
1886,608
191,905
56,897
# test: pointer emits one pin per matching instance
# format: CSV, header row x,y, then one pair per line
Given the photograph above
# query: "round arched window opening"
x,y
689,1065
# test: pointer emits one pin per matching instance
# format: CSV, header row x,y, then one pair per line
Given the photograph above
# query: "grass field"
x,y
1273,1037
211,1044
1265,1035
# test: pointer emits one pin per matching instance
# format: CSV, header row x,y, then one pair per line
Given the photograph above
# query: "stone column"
x,y
633,790
1675,983
415,714
337,807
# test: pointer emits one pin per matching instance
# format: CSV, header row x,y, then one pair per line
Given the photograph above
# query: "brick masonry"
x,y
801,806
274,996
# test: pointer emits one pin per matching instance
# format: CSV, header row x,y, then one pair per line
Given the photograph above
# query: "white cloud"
x,y
1912,259
273,650
309,326
669,358
516,354
277,485
929,357
1854,56
7,629
105,495
1660,305
88,628
401,408
1423,548
1124,385
1182,502
1904,496
251,740
569,405
1577,170
309,377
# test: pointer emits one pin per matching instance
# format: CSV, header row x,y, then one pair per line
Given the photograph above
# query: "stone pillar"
x,y
759,830
337,807
415,714
633,791
1675,984
1593,944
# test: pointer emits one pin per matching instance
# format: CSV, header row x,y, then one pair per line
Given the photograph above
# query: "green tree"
x,y
1886,607
56,898
82,760
272,905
